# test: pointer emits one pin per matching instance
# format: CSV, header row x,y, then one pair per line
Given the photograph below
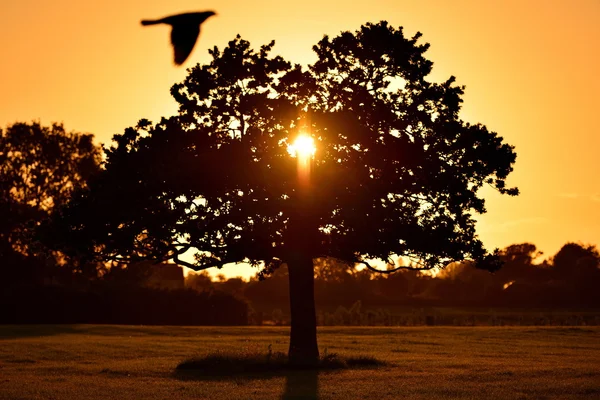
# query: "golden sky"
x,y
531,70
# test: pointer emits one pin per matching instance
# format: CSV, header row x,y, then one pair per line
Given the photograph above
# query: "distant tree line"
x,y
346,295
107,304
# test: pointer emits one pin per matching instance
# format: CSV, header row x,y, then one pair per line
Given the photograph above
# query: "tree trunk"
x,y
301,247
303,336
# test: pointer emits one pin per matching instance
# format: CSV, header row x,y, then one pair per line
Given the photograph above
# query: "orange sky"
x,y
532,71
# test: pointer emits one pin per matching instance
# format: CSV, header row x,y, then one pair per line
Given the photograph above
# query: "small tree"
x,y
577,262
396,171
40,167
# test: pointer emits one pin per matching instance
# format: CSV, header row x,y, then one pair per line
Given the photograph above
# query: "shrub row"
x,y
105,304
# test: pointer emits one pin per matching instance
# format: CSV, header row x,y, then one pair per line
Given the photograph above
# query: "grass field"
x,y
138,362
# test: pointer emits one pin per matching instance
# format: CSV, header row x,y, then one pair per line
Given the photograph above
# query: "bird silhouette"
x,y
184,33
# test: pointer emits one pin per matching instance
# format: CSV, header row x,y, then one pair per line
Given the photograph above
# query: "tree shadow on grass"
x,y
300,382
301,385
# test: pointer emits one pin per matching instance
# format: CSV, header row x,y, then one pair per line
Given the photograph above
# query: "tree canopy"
x,y
396,172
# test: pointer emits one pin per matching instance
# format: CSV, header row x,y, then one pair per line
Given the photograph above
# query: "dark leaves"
x,y
396,171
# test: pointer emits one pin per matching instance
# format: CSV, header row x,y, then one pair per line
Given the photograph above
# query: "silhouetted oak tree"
x,y
396,171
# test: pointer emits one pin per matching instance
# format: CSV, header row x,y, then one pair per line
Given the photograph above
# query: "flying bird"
x,y
184,33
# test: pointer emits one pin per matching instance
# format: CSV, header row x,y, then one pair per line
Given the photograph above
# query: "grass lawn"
x,y
138,362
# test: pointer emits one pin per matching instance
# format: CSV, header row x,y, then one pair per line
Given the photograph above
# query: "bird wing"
x,y
183,39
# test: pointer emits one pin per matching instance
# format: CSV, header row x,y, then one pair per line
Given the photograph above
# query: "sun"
x,y
303,147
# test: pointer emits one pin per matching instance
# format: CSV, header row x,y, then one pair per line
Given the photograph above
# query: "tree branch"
x,y
179,261
214,263
370,267
389,271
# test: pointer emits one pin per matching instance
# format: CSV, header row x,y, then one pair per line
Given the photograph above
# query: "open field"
x,y
138,362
